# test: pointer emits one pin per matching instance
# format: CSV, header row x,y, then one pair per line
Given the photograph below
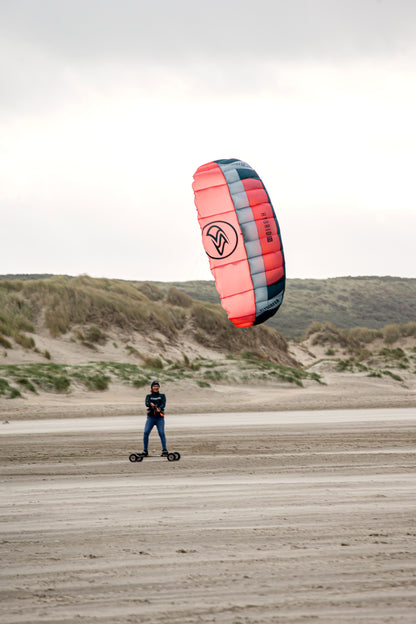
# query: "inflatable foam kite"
x,y
241,237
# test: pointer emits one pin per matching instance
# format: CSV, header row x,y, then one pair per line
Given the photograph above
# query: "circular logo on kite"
x,y
219,239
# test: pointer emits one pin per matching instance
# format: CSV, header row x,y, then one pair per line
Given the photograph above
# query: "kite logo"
x,y
220,239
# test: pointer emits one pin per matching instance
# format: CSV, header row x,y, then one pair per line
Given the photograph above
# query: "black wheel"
x,y
171,456
177,456
139,458
133,457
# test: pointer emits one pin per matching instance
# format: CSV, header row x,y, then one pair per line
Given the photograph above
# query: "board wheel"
x,y
135,457
177,456
171,456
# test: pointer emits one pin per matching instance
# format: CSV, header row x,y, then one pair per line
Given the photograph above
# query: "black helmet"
x,y
154,383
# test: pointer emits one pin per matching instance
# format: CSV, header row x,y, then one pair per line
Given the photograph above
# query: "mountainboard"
x,y
138,457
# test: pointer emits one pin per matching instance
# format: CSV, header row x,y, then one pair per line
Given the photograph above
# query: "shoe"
x,y
144,453
164,453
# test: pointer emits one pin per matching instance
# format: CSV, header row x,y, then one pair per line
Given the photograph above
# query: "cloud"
x,y
51,49
107,109
185,29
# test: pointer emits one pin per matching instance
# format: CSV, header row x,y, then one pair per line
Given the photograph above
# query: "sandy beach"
x,y
272,516
289,504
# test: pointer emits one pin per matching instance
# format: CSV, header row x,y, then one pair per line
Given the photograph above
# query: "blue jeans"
x,y
151,421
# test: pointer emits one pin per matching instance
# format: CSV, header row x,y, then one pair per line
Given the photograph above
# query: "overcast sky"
x,y
107,108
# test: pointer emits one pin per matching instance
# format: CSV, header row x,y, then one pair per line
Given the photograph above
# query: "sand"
x,y
272,516
288,505
338,390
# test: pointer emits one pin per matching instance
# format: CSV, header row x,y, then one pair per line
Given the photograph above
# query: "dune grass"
x,y
98,376
67,302
16,319
90,308
352,350
93,308
347,302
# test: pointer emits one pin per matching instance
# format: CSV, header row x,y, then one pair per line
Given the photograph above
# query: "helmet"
x,y
154,384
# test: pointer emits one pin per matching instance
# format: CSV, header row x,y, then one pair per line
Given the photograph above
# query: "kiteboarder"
x,y
155,403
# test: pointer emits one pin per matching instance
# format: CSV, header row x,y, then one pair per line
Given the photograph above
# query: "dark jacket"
x,y
159,401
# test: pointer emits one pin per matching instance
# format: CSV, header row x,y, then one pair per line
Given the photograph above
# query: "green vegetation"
x,y
16,318
177,298
347,302
7,390
261,370
5,343
359,354
327,334
93,304
211,328
56,378
356,339
97,376
88,311
90,308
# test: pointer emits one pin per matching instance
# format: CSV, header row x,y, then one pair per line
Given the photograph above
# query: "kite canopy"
x,y
241,237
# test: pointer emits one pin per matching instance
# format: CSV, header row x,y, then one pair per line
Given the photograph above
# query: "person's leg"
x,y
160,424
150,423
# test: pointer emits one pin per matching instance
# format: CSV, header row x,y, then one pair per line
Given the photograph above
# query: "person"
x,y
155,403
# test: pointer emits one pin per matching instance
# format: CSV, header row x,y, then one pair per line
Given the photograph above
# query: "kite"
x,y
241,237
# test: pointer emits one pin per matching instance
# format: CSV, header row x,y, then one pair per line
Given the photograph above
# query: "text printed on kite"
x,y
241,237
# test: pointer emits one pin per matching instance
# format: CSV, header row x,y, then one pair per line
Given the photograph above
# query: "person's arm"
x,y
147,401
163,403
